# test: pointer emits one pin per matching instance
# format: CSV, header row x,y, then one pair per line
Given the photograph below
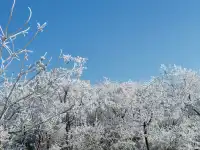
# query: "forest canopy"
x,y
53,108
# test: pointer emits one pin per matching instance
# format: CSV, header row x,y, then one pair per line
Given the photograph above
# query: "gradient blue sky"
x,y
123,39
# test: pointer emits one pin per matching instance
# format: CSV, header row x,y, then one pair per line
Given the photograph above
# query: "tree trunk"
x,y
145,136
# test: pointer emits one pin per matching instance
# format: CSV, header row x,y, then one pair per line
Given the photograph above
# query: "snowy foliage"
x,y
42,108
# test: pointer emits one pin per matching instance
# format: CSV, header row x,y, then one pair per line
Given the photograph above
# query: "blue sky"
x,y
123,39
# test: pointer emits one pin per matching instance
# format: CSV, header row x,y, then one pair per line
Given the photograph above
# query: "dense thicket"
x,y
52,108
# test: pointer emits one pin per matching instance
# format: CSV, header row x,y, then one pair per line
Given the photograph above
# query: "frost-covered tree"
x,y
34,101
52,108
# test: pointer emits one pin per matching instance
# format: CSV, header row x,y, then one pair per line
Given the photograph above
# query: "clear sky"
x,y
123,39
